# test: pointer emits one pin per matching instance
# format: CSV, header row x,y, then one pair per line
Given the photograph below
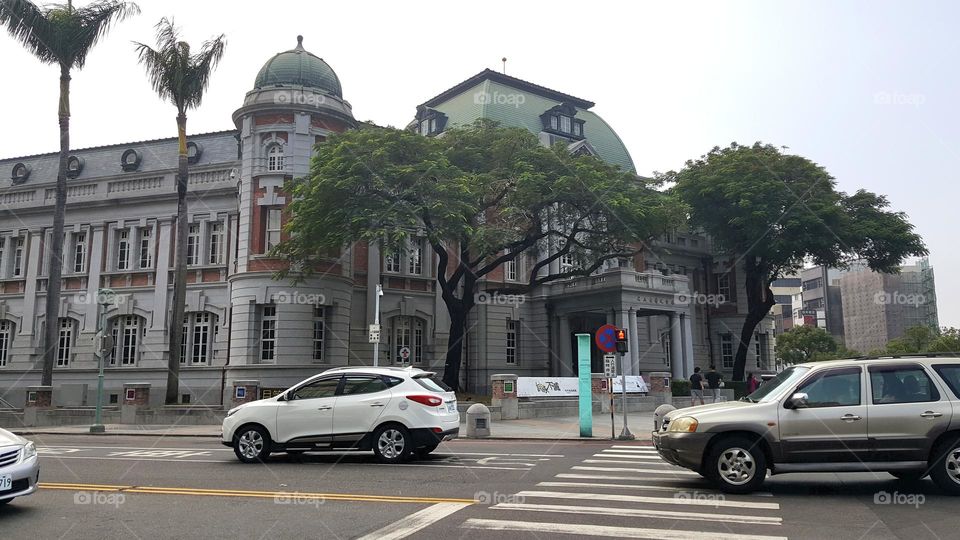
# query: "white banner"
x,y
569,386
635,384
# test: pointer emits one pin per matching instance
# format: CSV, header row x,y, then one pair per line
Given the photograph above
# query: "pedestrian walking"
x,y
752,383
696,387
714,382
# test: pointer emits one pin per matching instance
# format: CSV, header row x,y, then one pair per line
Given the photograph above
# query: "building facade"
x,y
681,303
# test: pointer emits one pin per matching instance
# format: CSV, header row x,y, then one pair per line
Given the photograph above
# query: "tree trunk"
x,y
458,326
175,325
759,301
55,249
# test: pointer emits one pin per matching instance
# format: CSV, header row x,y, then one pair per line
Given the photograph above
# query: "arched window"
x,y
126,331
6,338
275,157
199,331
405,339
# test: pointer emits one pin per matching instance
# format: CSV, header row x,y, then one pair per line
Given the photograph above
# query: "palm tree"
x,y
61,35
182,78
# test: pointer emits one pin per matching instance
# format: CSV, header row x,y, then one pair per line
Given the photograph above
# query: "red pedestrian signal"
x,y
621,341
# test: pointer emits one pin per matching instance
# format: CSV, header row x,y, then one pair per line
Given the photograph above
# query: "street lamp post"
x,y
104,297
376,323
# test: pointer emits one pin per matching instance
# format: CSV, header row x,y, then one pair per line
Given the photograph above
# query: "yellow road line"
x,y
210,492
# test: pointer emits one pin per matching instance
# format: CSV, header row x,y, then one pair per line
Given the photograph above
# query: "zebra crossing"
x,y
627,491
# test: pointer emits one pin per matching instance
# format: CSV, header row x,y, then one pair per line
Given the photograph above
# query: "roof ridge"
x,y
112,145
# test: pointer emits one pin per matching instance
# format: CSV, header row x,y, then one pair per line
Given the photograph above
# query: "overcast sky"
x,y
867,89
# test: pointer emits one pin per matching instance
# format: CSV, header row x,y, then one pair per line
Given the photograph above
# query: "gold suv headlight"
x,y
684,424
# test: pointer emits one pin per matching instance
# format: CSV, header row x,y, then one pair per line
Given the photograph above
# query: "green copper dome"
x,y
297,67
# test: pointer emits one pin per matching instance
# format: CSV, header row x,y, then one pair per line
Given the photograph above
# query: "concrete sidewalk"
x,y
560,428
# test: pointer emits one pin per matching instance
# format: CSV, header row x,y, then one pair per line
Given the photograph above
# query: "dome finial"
x,y
300,42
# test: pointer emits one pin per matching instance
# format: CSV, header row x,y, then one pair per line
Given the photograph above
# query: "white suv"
x,y
396,412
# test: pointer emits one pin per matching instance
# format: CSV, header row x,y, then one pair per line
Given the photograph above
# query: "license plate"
x,y
452,406
6,482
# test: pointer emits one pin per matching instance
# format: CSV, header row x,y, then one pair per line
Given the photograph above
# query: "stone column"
x,y
660,387
136,397
687,344
504,386
565,351
39,398
162,281
676,346
30,268
633,345
245,391
94,264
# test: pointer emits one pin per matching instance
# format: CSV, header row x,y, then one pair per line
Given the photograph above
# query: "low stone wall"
x,y
164,415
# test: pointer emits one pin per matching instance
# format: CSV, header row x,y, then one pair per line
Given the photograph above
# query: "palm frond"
x,y
174,73
29,25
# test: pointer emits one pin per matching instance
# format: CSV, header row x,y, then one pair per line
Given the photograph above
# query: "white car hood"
x,y
9,439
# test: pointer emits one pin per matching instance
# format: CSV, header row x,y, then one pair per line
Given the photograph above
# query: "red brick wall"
x,y
265,119
320,121
211,275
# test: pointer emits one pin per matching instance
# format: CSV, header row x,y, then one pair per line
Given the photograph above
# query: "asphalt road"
x,y
151,487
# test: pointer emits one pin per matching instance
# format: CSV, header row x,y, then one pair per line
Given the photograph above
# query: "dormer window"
x,y
275,158
565,124
562,120
430,122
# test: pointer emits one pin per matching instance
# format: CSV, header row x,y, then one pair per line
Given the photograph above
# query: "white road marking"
x,y
633,448
651,500
492,454
633,463
630,456
645,471
144,459
634,512
643,487
415,522
609,477
607,531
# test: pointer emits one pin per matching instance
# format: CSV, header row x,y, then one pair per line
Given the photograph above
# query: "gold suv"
x,y
899,415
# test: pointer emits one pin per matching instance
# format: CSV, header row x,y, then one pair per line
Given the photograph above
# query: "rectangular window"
x,y
6,336
123,249
510,270
758,350
723,286
79,251
18,256
125,332
64,342
577,128
146,253
554,122
415,259
511,341
193,245
565,124
216,243
901,384
566,262
319,328
418,342
391,262
268,333
201,337
274,221
726,350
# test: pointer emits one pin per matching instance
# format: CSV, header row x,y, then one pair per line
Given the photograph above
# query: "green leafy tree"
x,y
179,76
481,195
772,212
61,35
806,343
922,339
947,341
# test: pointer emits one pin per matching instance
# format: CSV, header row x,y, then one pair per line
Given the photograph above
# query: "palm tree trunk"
x,y
175,325
55,250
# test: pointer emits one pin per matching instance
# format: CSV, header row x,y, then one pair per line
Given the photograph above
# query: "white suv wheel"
x,y
391,443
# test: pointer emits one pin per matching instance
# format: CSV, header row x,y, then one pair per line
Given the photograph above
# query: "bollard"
x,y
478,421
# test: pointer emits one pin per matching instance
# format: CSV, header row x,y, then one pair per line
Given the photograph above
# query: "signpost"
x,y
376,323
404,355
609,372
621,348
104,344
584,376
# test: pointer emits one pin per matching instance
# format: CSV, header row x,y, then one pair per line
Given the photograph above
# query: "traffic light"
x,y
621,341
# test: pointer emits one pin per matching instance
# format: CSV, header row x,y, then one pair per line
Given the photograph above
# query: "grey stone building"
x,y
681,303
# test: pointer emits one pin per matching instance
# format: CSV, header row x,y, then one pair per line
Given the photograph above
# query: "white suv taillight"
x,y
430,401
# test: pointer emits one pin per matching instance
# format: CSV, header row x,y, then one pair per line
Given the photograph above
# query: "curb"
x,y
116,434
